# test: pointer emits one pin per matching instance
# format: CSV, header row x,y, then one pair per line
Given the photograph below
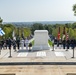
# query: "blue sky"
x,y
36,10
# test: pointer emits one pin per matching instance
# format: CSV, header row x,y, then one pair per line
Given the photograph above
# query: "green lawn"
x,y
50,42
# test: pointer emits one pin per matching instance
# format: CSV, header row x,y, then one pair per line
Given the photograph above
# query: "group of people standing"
x,y
15,43
65,43
8,43
24,42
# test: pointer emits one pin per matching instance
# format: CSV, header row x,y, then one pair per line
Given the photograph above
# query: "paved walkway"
x,y
59,55
38,70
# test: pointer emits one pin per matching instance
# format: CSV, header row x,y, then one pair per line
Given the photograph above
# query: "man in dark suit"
x,y
67,44
9,45
73,43
18,42
64,43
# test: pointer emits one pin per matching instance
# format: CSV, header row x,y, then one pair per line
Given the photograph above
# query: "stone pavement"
x,y
38,70
59,55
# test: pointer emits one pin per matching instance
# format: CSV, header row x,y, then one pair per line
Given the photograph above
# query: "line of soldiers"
x,y
66,43
8,43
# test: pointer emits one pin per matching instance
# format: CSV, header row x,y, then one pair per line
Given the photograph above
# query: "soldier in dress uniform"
x,y
18,42
73,43
26,43
22,43
64,43
67,44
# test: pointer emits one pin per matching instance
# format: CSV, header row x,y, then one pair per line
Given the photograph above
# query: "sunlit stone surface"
x,y
41,40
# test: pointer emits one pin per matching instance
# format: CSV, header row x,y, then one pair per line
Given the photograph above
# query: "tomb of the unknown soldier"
x,y
41,40
37,37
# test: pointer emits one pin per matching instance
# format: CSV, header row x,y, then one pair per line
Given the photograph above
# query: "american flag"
x,y
67,36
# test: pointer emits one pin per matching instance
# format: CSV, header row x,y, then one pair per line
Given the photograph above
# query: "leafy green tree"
x,y
74,25
74,9
23,32
68,25
49,28
46,27
27,32
36,26
55,32
1,20
8,29
71,33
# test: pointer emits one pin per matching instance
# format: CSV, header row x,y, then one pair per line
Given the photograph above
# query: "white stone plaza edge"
x,y
41,40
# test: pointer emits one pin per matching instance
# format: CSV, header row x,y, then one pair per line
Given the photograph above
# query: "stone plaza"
x,y
59,55
40,60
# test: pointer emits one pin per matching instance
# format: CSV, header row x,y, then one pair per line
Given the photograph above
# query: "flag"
x,y
2,32
59,34
67,35
13,35
64,33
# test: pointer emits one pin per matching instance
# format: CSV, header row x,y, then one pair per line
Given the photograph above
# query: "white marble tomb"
x,y
41,40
